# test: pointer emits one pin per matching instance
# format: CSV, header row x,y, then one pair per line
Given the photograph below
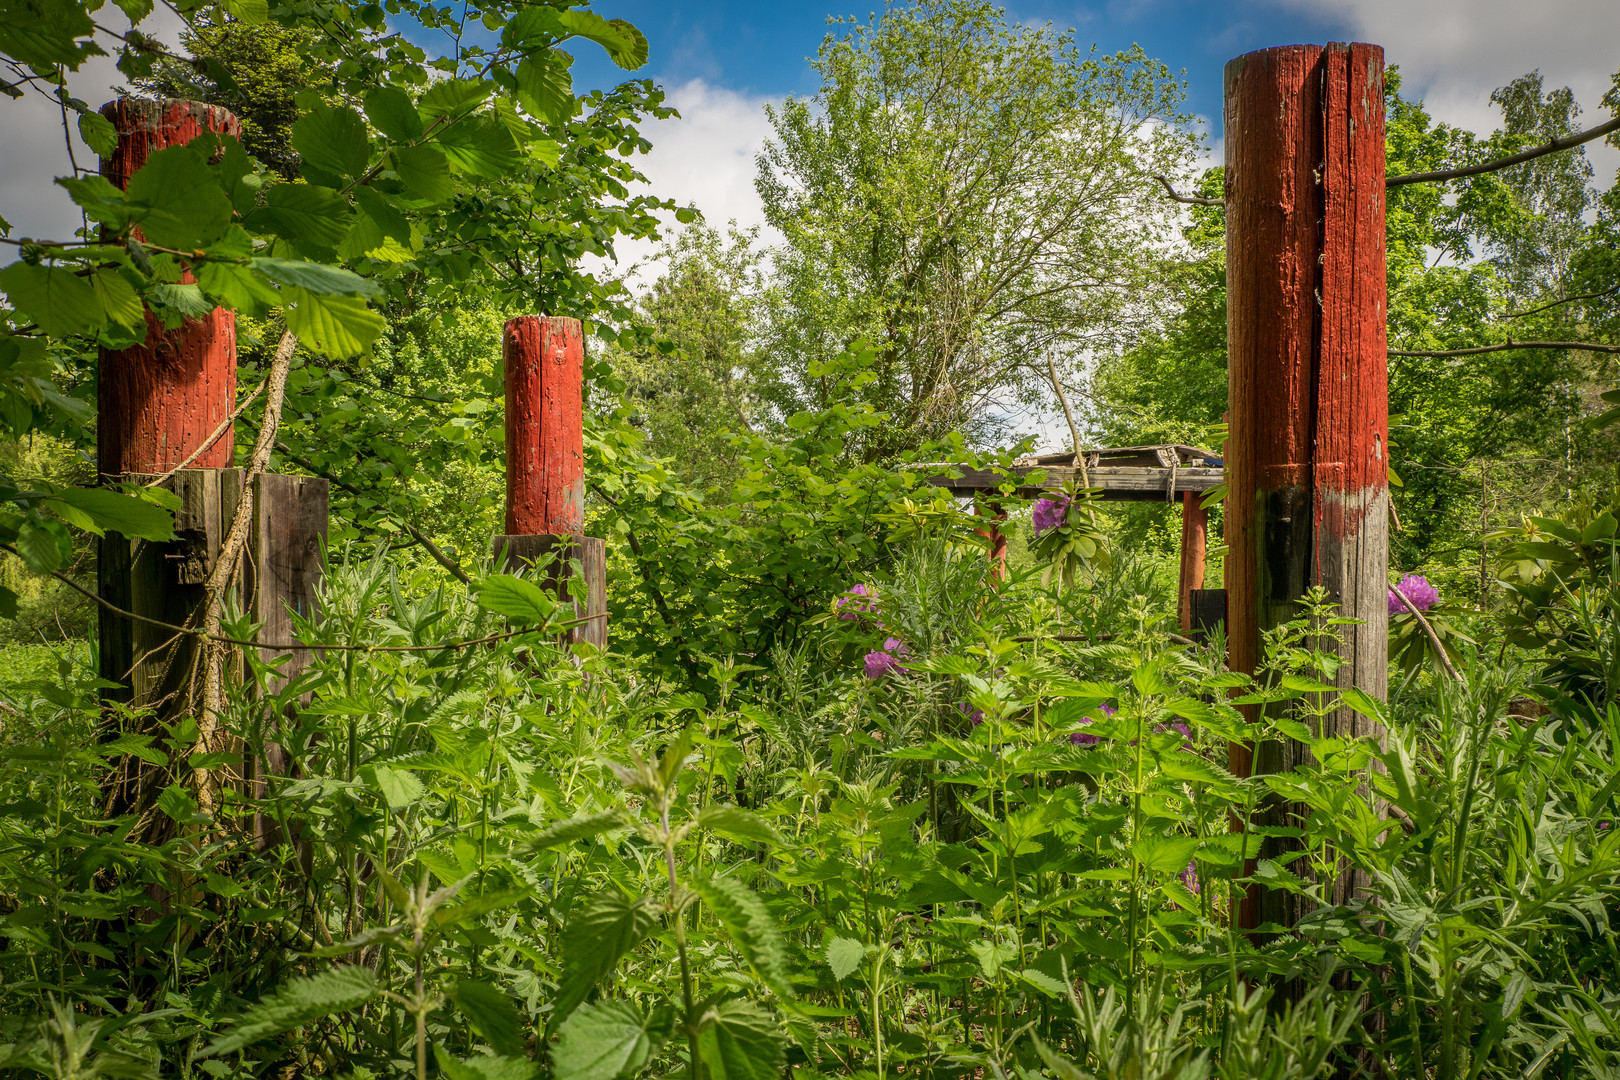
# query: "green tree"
x,y
969,196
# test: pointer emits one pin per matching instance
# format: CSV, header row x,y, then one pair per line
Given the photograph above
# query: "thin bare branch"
x,y
1566,143
1191,200
1565,300
1508,346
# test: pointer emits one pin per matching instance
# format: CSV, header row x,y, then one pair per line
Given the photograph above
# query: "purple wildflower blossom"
x,y
974,716
1049,514
859,599
1416,588
1081,738
1178,726
1189,877
886,661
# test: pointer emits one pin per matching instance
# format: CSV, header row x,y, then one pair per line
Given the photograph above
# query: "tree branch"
x,y
1191,200
1565,300
1553,147
1585,346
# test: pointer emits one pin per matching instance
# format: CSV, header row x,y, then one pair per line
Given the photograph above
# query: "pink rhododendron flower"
x,y
1416,588
1049,514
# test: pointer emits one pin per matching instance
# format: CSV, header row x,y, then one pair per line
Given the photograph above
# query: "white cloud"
x,y
705,159
1453,53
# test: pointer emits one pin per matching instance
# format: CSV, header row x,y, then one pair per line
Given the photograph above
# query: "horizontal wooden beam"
x,y
1120,483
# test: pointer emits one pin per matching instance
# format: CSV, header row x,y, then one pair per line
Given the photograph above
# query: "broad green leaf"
x,y
124,514
485,1067
424,172
992,955
186,301
296,1003
312,217
546,88
844,955
735,823
625,44
390,110
177,200
238,287
99,198
576,828
1165,854
599,934
98,133
119,301
741,1041
339,326
610,1040
317,277
491,1014
516,598
482,146
333,141
752,928
178,804
251,12
453,98
60,302
44,33
1043,982
399,787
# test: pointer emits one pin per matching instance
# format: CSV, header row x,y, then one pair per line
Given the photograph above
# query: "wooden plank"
x,y
525,551
1118,483
545,434
1194,533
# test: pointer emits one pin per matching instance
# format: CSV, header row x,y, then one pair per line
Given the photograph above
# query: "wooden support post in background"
x,y
545,462
995,539
160,401
1194,541
1306,458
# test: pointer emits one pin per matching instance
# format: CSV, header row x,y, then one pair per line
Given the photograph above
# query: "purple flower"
x,y
974,716
1189,877
1080,738
1050,513
886,661
1416,588
1177,725
858,600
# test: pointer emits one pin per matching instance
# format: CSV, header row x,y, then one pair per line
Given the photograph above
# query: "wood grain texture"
x,y
1306,451
159,401
525,552
545,426
1194,544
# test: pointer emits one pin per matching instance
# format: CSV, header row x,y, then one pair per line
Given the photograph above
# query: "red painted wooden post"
x,y
996,539
162,400
545,461
545,426
1194,541
1306,339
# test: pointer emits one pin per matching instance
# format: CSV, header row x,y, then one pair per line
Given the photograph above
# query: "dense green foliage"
x,y
838,801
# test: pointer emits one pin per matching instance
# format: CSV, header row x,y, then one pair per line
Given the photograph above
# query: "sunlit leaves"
x,y
741,1041
339,326
297,1002
177,200
313,218
332,142
57,300
610,1040
390,111
599,934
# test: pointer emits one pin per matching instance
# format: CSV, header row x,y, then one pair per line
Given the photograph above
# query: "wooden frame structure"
x,y
1170,472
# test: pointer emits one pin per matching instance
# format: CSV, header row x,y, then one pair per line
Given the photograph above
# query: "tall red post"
x,y
161,401
1194,543
995,539
1306,339
545,461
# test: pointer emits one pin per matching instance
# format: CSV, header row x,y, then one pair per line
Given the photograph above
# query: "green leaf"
x,y
391,112
237,286
380,232
339,326
735,823
125,514
453,98
333,141
186,301
99,198
625,44
40,548
177,804
424,172
844,955
98,134
741,1041
317,277
546,88
517,599
610,1040
177,200
119,301
1042,982
61,303
312,217
399,787
575,828
752,928
251,12
295,1003
1166,854
599,934
482,146
491,1014
44,33
485,1067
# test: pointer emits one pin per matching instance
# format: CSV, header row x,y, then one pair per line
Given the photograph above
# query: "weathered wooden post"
x,y
1194,543
545,463
995,539
1306,339
164,407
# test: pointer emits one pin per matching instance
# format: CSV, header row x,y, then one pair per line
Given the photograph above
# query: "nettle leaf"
x,y
390,111
735,823
610,1040
625,45
56,299
599,935
582,827
844,955
177,200
1166,854
340,326
333,141
741,1041
545,87
752,928
424,172
485,1067
492,1014
110,511
308,215
296,1003
399,788
517,599
482,146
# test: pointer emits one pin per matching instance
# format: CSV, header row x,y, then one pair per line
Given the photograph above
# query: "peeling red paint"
x,y
545,433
